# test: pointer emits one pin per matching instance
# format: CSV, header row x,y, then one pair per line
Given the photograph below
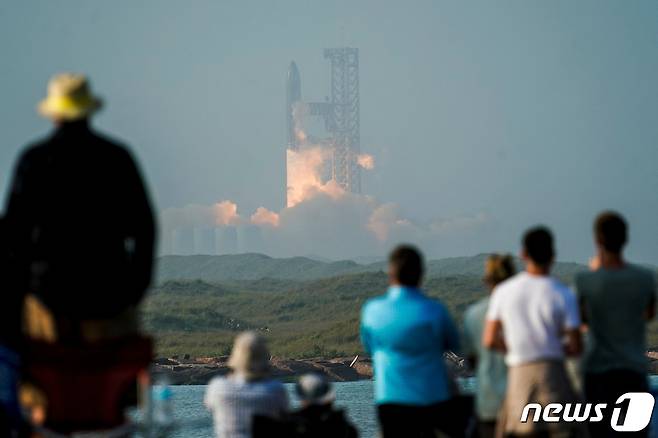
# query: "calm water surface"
x,y
355,397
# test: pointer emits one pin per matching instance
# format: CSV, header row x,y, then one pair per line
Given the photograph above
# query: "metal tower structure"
x,y
340,113
343,119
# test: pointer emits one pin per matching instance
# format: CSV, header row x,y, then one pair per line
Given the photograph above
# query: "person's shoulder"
x,y
513,283
476,310
373,303
35,150
641,271
112,145
218,383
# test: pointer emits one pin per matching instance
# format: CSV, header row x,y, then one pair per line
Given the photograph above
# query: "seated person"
x,y
317,416
249,390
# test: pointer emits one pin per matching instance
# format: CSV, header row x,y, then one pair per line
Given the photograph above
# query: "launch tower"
x,y
340,113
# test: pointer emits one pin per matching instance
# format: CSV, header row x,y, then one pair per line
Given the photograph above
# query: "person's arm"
x,y
141,230
573,340
18,226
451,334
209,397
492,336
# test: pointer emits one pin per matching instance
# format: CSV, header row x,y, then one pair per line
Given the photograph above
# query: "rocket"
x,y
293,95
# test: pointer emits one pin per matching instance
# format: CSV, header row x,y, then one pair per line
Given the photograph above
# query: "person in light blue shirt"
x,y
490,368
406,333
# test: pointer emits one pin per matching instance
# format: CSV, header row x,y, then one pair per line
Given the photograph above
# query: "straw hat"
x,y
250,356
69,98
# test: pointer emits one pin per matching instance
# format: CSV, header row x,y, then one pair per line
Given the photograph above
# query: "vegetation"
x,y
301,319
303,312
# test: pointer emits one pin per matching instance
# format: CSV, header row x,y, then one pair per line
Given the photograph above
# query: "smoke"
x,y
320,217
366,161
226,213
304,174
264,217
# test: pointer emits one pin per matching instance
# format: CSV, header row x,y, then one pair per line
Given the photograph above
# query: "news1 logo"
x,y
630,413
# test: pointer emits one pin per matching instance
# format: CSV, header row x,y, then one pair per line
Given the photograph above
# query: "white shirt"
x,y
534,311
234,401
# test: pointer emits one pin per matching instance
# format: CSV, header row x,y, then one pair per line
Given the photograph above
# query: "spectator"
x,y
317,417
248,391
528,317
617,299
407,333
491,372
80,224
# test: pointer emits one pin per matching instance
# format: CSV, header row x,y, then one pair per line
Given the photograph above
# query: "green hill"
x,y
218,269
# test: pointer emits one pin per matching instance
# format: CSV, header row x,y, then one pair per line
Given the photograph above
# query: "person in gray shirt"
x,y
617,299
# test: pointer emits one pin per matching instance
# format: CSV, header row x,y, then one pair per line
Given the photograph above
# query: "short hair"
x,y
406,264
611,231
498,268
538,245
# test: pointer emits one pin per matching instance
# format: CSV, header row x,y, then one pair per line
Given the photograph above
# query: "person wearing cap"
x,y
247,391
407,333
80,224
317,416
490,368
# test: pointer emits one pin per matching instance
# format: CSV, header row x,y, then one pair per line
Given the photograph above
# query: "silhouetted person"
x,y
79,218
535,320
490,368
617,300
407,334
10,340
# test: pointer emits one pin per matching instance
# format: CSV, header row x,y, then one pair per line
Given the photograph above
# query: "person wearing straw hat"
x,y
248,391
80,223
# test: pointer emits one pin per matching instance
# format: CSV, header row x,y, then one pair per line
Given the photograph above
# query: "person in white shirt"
x,y
535,320
247,392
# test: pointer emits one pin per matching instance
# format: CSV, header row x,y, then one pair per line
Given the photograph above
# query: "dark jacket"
x,y
80,223
11,300
315,421
321,421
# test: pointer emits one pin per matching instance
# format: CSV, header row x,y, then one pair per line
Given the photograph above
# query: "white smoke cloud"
x,y
366,161
264,217
321,218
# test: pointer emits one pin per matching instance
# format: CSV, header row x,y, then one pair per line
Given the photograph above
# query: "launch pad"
x,y
340,113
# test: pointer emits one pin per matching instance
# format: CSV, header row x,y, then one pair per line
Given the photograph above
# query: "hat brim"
x,y
50,110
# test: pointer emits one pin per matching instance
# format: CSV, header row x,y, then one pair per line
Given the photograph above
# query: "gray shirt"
x,y
491,371
614,303
234,401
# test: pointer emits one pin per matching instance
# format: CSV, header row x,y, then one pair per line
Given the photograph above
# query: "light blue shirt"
x,y
491,371
406,334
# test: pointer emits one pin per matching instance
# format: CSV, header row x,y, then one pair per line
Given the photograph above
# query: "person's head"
x,y
610,232
250,357
538,247
69,99
405,266
498,268
314,389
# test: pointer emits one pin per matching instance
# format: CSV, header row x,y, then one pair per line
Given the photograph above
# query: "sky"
x,y
484,118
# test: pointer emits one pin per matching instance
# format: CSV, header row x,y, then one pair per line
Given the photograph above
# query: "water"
x,y
355,397
196,422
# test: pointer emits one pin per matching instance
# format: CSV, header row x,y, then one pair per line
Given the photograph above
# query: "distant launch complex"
x,y
340,113
329,164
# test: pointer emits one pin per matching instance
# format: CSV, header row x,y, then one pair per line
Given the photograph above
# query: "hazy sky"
x,y
516,112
